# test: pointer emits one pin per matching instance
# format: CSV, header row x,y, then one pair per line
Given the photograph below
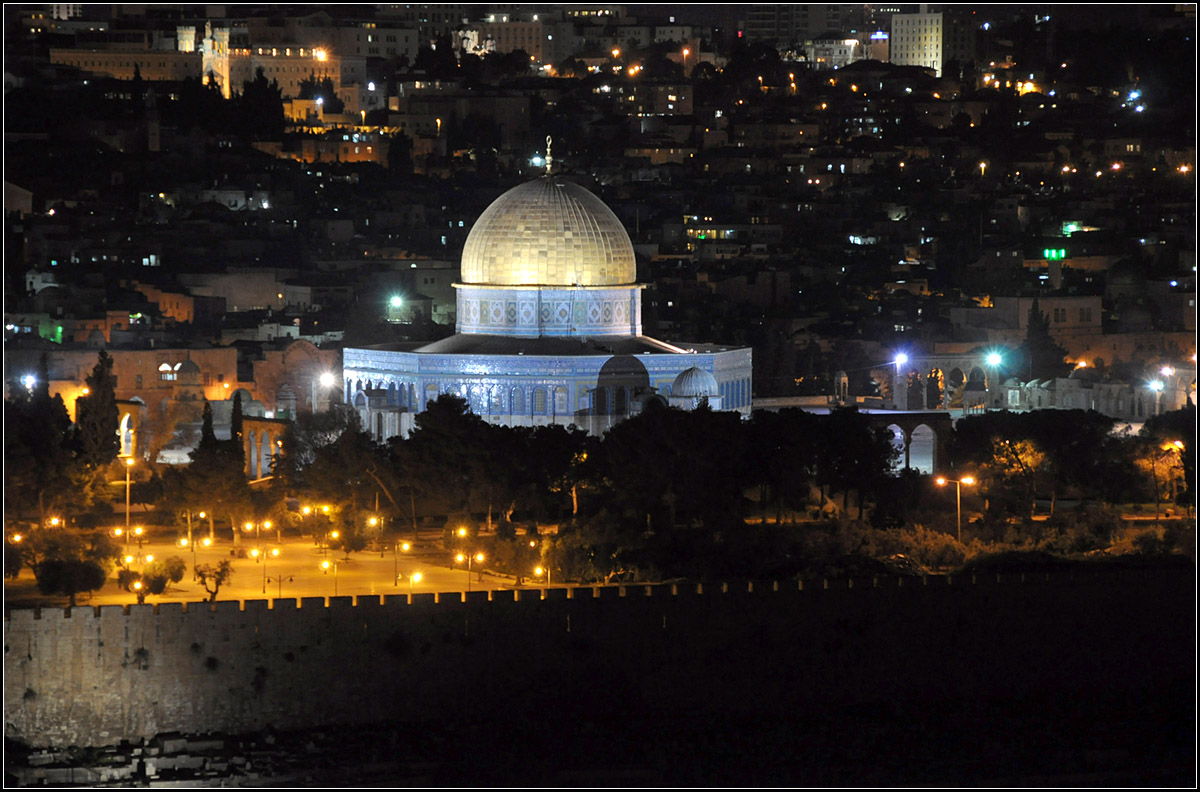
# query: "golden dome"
x,y
548,232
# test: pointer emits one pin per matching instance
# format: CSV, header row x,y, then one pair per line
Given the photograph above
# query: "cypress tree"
x,y
1043,355
236,420
97,418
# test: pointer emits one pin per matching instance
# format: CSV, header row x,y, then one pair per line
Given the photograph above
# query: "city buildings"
x,y
804,198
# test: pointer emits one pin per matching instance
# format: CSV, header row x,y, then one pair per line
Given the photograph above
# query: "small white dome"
x,y
694,383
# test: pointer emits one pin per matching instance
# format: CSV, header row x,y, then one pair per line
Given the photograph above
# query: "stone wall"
x,y
96,676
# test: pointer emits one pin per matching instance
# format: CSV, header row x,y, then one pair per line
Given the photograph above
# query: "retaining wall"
x,y
96,676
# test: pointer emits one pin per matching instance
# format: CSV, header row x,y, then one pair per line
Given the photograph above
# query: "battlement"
x,y
397,603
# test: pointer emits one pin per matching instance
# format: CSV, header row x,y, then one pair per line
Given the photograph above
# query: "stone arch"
x,y
922,449
620,376
935,384
600,402
620,400
125,432
431,394
495,397
915,396
516,400
539,401
477,399
956,380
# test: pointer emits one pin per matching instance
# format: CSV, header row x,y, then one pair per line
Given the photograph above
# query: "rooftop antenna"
x,y
549,159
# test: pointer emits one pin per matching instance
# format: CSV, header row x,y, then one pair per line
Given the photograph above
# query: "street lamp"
x,y
461,557
1157,387
275,553
326,381
279,579
325,567
539,571
415,577
128,467
901,359
968,480
396,548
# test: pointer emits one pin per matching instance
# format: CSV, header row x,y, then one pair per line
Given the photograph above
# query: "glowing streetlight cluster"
x,y
968,480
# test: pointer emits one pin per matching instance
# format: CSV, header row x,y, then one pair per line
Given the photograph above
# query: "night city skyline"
x,y
627,395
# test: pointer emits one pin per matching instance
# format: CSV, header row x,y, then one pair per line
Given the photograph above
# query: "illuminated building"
x,y
549,329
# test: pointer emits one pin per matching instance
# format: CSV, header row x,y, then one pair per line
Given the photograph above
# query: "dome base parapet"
x,y
549,311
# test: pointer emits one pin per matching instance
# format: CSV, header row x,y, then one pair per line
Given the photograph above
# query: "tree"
x,y
1043,355
852,454
215,480
154,579
213,577
313,88
1177,430
14,558
69,577
235,421
97,418
439,457
782,457
41,470
400,154
260,109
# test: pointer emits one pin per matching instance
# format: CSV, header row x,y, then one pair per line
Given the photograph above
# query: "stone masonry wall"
x,y
96,676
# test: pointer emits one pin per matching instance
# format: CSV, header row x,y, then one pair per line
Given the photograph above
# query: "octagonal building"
x,y
549,328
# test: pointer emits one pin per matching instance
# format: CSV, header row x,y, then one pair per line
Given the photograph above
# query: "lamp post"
x,y
274,552
396,548
325,566
415,577
901,359
993,360
461,557
1157,387
128,467
968,480
185,542
538,572
207,542
279,579
326,381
